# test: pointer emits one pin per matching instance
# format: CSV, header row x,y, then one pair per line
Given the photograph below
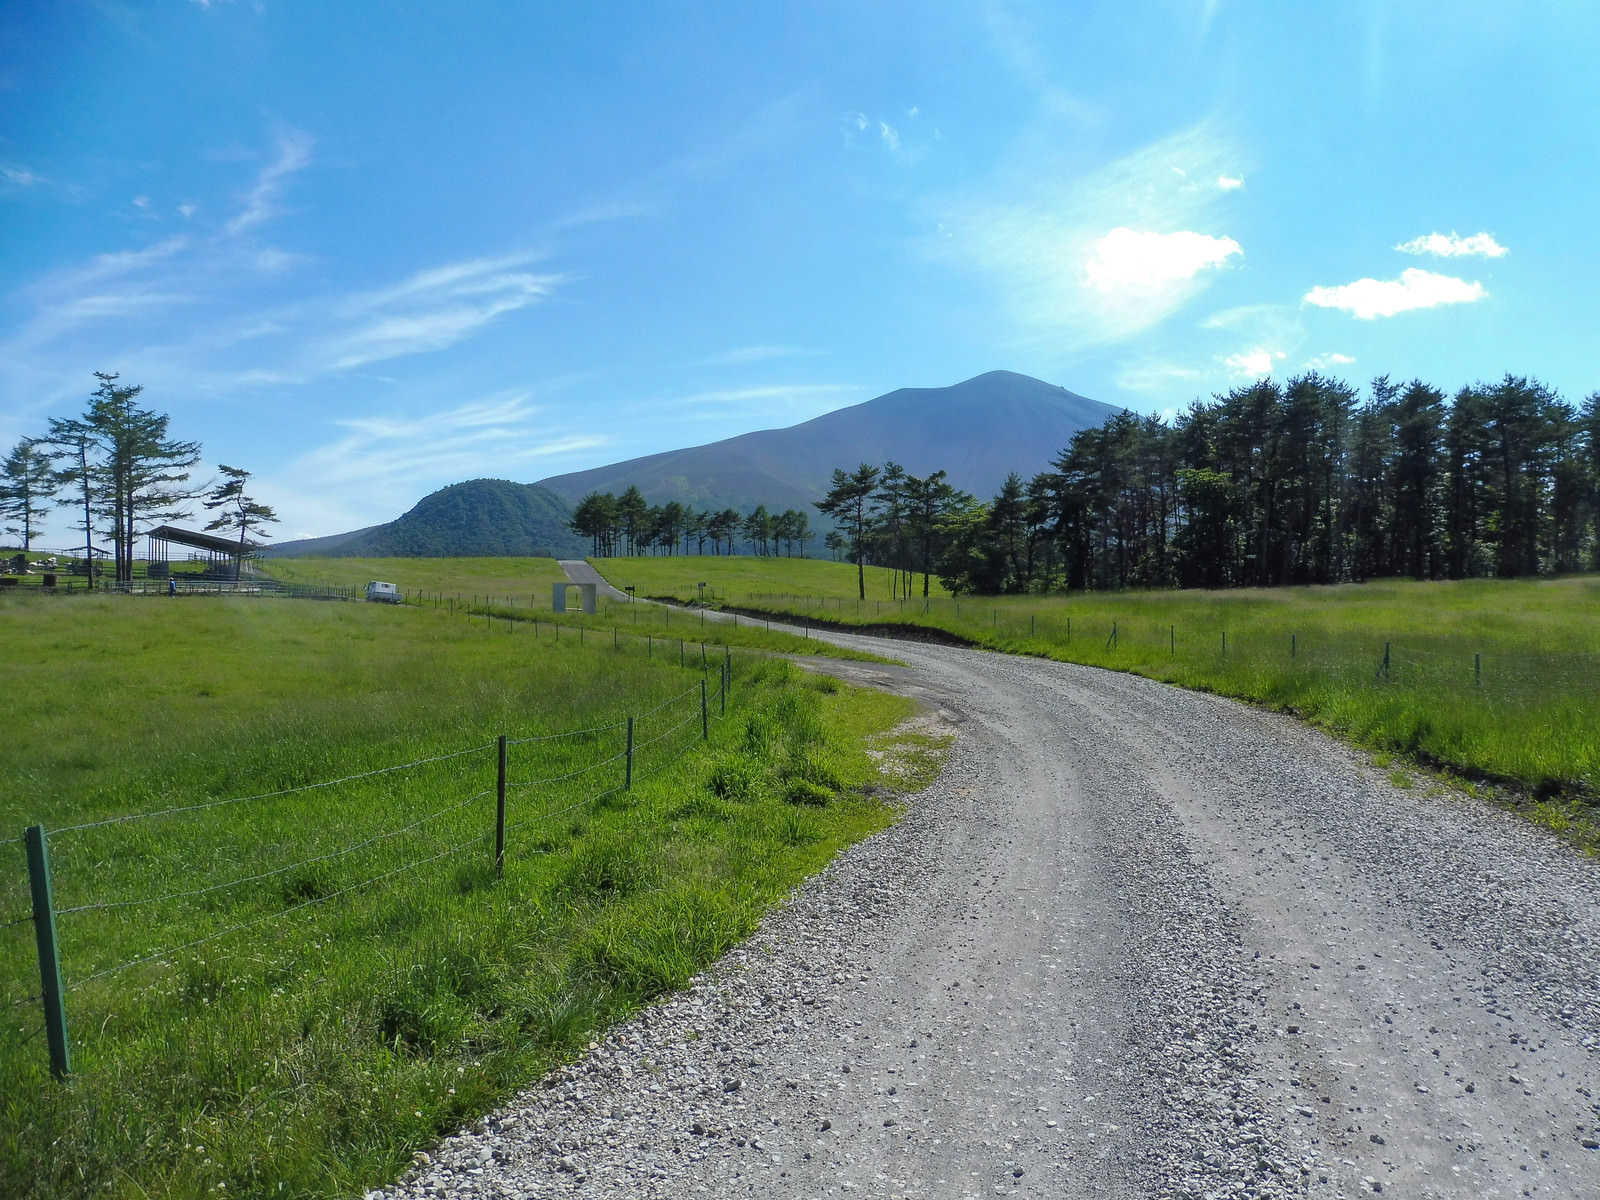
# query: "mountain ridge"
x,y
978,431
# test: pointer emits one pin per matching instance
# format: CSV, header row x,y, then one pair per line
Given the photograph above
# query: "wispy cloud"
x,y
1229,183
750,354
1333,358
503,434
1095,258
261,202
1157,377
1453,245
433,309
20,176
1368,299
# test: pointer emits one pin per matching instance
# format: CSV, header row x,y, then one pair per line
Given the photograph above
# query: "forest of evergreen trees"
x,y
1303,483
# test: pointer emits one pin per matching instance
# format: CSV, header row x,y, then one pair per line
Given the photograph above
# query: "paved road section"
x,y
579,571
1136,942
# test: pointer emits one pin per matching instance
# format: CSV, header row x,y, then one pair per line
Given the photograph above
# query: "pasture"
x,y
289,959
1495,680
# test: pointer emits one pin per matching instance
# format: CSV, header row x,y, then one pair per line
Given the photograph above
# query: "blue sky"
x,y
368,250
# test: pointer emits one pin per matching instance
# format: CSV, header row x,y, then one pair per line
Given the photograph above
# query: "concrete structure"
x,y
559,595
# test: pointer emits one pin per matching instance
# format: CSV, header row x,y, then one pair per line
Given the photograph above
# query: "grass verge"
x,y
376,990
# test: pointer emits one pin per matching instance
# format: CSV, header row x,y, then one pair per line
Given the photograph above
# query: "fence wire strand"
x,y
304,787
305,862
594,766
550,737
293,908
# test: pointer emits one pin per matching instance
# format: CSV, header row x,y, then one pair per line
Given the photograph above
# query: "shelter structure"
x,y
220,554
586,590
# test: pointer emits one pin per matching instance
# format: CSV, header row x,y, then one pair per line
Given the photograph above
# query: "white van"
x,y
383,593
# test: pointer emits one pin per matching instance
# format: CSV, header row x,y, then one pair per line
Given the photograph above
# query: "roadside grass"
x,y
494,591
739,578
1495,680
376,991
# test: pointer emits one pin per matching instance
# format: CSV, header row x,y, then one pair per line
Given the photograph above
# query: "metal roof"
x,y
200,541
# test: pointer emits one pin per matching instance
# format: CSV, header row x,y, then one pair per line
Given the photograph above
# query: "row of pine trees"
x,y
1301,483
630,524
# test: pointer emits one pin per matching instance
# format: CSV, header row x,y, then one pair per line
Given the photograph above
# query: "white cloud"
x,y
1332,359
1229,183
749,354
434,309
891,139
1086,259
20,176
1251,364
499,434
260,204
1453,245
1156,377
187,210
1139,260
913,111
1367,299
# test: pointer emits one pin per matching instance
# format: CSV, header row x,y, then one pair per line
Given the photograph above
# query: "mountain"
x,y
479,518
978,431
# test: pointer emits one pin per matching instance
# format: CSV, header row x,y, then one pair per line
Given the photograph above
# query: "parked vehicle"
x,y
384,593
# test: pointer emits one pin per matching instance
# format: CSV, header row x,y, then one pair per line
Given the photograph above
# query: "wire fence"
x,y
250,862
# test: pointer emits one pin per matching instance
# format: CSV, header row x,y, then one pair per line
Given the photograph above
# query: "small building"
x,y
224,557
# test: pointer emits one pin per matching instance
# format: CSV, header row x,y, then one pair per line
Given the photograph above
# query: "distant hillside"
x,y
977,431
482,518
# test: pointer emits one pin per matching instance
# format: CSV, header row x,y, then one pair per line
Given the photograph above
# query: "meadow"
x,y
288,956
1494,680
736,578
502,593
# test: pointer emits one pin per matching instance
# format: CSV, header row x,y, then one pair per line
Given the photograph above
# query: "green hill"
x,y
481,518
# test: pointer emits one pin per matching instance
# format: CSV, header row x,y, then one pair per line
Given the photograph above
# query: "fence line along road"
x,y
700,703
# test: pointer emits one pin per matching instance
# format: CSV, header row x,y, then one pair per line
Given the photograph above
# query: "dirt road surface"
x,y
1135,942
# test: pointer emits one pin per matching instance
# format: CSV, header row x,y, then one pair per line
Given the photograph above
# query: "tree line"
x,y
630,524
119,472
1306,482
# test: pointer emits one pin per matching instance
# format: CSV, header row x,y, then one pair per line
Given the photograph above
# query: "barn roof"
x,y
200,541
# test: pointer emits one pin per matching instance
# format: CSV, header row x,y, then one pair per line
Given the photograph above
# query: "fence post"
x,y
1294,644
649,646
1172,641
44,931
680,652
628,782
1384,669
705,718
1477,670
1224,643
500,809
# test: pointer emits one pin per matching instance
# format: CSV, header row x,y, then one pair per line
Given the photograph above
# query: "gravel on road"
x,y
1135,941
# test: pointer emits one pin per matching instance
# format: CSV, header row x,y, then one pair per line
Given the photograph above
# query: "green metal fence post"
x,y
1224,643
1172,641
500,809
705,717
1294,644
1477,670
44,931
628,782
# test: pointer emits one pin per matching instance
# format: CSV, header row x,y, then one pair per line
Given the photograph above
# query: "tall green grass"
x,y
1497,679
358,994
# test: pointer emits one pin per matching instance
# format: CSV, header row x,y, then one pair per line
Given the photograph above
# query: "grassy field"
x,y
281,989
497,592
741,576
527,580
1489,678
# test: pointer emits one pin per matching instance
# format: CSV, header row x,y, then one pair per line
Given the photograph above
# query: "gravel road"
x,y
1134,942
